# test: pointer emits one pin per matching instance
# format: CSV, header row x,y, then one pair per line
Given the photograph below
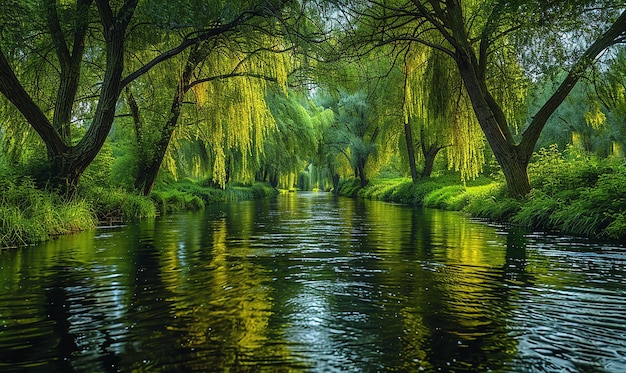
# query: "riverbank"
x,y
30,215
580,195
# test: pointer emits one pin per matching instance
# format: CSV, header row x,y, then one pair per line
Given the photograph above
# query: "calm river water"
x,y
313,283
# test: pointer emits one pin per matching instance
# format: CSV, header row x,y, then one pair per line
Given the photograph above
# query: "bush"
x,y
191,195
537,210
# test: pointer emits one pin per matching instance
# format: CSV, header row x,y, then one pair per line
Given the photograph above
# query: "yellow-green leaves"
x,y
231,112
595,118
440,110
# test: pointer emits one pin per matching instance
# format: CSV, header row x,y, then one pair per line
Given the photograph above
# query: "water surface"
x,y
313,283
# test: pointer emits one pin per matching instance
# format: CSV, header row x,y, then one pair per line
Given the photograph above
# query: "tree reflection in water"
x,y
312,282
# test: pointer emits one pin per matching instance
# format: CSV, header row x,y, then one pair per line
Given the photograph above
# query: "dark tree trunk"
x,y
360,171
335,180
149,167
408,135
69,61
429,159
69,162
495,128
274,179
513,158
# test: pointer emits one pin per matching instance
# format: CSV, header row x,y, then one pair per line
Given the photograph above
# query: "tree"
x,y
436,104
69,161
473,34
68,34
357,131
291,146
225,78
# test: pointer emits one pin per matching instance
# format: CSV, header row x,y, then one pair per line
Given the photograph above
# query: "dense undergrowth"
x,y
29,214
572,193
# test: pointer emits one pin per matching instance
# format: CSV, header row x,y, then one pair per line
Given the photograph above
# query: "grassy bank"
x,y
29,215
572,194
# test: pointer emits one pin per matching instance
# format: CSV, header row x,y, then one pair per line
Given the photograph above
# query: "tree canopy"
x,y
276,89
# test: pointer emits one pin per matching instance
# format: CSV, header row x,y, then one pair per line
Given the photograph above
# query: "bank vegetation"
x,y
572,193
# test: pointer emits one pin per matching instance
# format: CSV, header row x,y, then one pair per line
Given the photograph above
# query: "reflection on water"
x,y
311,282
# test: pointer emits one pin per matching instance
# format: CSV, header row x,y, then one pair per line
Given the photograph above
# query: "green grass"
x,y
572,194
189,195
29,215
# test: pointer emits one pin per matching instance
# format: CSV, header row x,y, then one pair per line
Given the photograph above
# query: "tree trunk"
x,y
69,162
408,135
514,166
429,159
149,167
274,179
146,176
513,159
361,173
69,61
335,180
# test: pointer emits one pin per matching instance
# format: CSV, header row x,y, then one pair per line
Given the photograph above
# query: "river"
x,y
310,282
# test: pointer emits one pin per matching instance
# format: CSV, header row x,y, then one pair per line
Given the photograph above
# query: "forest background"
x,y
121,109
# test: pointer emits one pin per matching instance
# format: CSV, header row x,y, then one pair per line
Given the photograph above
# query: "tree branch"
x,y
612,36
13,90
190,40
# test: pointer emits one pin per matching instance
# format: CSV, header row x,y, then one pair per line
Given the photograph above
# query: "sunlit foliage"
x,y
441,112
231,113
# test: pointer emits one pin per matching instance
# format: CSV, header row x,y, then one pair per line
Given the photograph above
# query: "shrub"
x,y
537,210
117,205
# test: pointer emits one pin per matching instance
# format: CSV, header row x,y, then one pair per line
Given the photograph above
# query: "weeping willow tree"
x,y
440,113
291,146
591,119
216,100
86,47
364,96
473,32
439,106
230,116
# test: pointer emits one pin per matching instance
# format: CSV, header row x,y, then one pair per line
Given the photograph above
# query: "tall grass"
x,y
116,205
188,194
29,215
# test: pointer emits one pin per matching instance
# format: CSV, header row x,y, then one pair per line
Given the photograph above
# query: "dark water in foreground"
x,y
317,284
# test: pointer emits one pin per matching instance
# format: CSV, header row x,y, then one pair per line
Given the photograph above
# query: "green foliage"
x,y
443,197
576,193
295,140
381,189
406,193
117,205
191,195
173,200
349,187
537,210
439,192
99,171
262,190
501,209
29,215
